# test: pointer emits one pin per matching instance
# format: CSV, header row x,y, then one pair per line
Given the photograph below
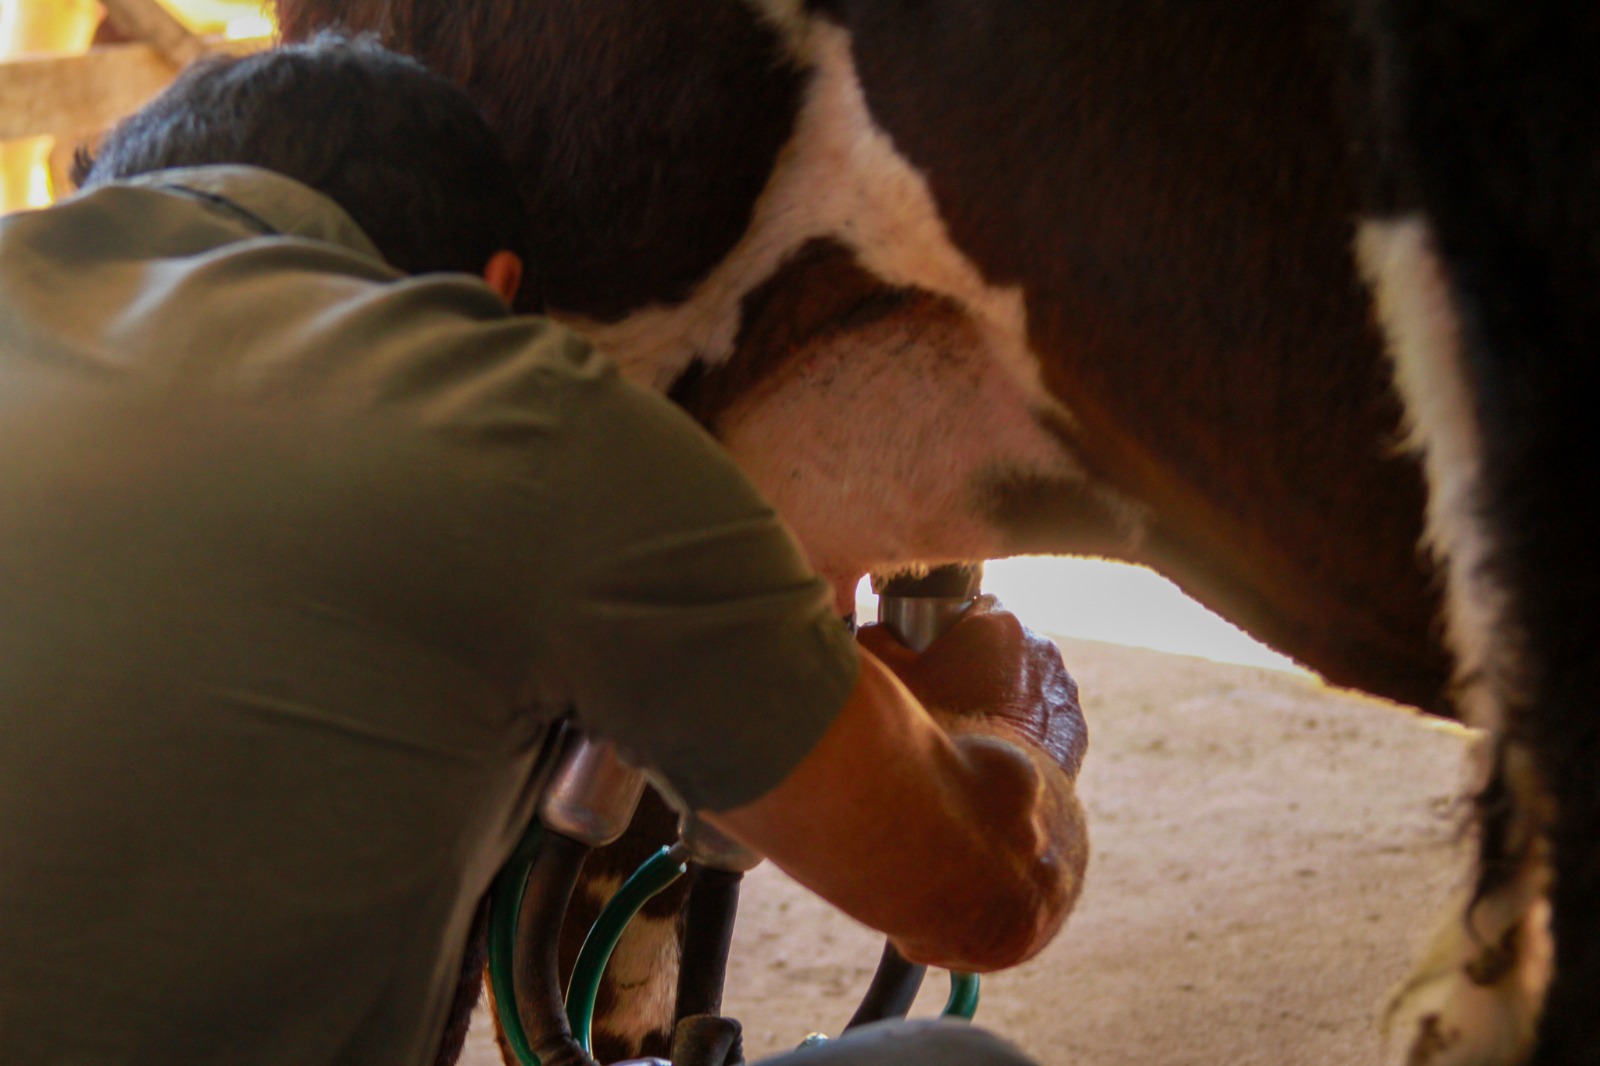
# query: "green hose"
x,y
505,904
659,871
963,1001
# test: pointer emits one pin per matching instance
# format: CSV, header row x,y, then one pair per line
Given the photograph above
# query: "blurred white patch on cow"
x,y
1475,997
874,448
643,970
840,178
876,444
1412,296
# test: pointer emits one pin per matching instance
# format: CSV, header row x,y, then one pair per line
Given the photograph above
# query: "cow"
x,y
958,279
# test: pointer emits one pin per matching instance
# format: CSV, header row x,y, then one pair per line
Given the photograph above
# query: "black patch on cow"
x,y
1169,184
1491,107
641,133
1385,183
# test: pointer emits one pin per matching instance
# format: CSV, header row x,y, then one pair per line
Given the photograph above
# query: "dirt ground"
x,y
1267,853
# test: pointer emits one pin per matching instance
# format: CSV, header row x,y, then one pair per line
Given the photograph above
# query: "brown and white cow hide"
x,y
958,279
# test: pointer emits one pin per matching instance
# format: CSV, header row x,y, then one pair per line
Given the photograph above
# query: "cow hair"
x,y
641,135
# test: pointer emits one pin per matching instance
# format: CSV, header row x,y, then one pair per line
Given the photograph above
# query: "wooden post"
x,y
38,27
149,21
75,95
70,95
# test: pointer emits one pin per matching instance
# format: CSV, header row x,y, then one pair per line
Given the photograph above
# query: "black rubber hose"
x,y
707,935
707,1040
894,988
538,980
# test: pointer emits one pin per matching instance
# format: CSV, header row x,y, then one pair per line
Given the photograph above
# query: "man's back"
x,y
294,570
198,660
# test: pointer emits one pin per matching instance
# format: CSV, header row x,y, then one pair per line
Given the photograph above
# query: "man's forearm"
x,y
1026,813
968,851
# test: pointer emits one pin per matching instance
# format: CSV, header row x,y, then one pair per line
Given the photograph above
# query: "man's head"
x,y
398,147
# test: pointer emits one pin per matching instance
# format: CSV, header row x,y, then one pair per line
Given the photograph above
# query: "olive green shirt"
x,y
298,555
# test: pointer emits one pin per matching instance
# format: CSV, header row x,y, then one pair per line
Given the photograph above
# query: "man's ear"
x,y
503,272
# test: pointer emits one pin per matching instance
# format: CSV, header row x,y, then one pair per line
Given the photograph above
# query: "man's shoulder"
x,y
173,287
128,251
226,259
265,202
169,214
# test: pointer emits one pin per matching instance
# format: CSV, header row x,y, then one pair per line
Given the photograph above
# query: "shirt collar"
x,y
272,201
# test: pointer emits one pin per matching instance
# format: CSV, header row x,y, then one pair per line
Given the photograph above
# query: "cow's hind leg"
x,y
1475,997
1481,115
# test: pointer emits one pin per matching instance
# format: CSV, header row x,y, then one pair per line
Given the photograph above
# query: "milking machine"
x,y
589,803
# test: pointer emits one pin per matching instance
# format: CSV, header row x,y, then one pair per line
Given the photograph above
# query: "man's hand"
x,y
990,674
967,849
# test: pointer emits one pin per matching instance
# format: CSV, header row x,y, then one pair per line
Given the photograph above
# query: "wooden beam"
x,y
83,94
149,22
78,94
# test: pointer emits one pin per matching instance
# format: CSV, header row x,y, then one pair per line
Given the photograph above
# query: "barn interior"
x,y
1267,851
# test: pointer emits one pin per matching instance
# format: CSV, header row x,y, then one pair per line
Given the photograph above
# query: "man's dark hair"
x,y
401,149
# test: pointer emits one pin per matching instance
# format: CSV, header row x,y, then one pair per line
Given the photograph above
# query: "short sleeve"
x,y
693,633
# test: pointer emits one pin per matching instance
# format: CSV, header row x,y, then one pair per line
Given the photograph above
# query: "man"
x,y
305,538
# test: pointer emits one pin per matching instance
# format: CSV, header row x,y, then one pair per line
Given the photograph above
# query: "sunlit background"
x,y
1084,598
1093,599
31,28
